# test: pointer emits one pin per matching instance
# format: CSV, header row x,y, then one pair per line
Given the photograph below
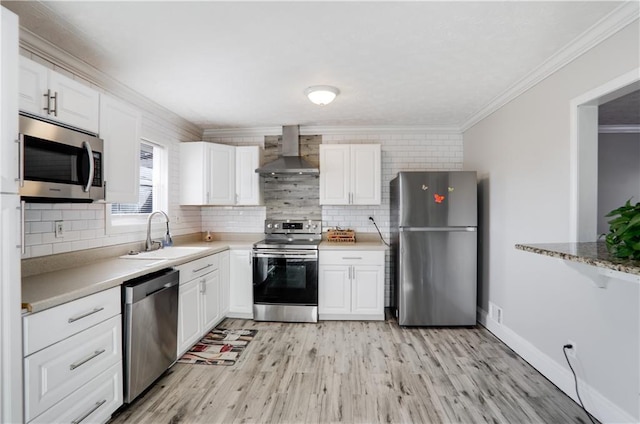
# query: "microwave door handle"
x,y
87,146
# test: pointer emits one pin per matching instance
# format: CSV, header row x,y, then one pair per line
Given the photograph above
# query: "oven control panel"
x,y
289,226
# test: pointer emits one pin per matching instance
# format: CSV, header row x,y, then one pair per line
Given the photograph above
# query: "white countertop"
x,y
54,288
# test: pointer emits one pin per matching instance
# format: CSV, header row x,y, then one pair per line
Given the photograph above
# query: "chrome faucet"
x,y
148,246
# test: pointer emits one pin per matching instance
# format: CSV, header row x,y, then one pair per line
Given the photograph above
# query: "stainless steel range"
x,y
285,271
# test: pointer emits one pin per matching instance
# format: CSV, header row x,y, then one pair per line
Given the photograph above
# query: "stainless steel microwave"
x,y
59,164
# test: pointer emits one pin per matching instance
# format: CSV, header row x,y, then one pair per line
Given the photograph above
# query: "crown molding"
x,y
619,18
41,47
619,129
330,130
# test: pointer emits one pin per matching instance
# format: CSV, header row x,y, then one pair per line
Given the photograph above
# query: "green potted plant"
x,y
623,240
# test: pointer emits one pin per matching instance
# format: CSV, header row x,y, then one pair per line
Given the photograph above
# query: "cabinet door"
x,y
210,296
247,180
367,290
224,283
75,103
334,289
189,312
33,86
365,174
193,173
9,104
334,174
222,175
241,284
99,398
120,130
55,372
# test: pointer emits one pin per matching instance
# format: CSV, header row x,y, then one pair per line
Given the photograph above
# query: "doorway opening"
x,y
597,181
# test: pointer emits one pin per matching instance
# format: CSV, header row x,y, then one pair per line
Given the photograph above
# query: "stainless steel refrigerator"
x,y
434,218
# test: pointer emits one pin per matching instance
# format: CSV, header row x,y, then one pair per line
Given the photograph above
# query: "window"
x,y
145,195
152,191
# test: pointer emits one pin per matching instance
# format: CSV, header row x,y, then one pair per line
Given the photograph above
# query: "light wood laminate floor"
x,y
357,372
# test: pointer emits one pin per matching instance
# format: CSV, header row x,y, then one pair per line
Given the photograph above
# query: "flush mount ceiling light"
x,y
321,94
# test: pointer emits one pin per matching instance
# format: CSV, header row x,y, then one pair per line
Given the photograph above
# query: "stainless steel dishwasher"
x,y
150,329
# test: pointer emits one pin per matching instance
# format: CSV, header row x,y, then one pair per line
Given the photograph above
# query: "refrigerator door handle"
x,y
418,229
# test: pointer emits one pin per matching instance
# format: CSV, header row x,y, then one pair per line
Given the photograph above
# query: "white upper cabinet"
x,y
248,192
120,130
350,174
46,93
33,86
222,174
194,171
219,174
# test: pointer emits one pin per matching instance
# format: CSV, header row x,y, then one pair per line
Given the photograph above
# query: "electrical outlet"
x,y
495,312
59,228
574,349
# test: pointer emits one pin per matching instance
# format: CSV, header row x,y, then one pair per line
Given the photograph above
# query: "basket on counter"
x,y
341,236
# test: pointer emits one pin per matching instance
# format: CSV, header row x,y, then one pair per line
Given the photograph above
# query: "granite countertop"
x,y
49,289
590,253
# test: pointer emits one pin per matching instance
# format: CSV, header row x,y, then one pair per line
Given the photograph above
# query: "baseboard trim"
x,y
597,404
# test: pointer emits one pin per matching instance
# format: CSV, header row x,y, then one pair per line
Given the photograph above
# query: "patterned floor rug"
x,y
219,347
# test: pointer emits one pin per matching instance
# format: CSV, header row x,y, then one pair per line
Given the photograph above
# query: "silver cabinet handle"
x,y
352,257
87,359
87,147
20,142
48,108
76,318
55,102
202,269
22,246
203,286
91,411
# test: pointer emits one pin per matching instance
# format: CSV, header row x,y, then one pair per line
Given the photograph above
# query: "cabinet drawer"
x,y
92,403
351,257
198,268
48,327
55,372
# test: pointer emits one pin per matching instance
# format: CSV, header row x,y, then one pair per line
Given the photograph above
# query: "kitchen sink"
x,y
166,253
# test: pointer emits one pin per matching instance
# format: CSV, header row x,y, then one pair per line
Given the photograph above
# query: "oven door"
x,y
285,277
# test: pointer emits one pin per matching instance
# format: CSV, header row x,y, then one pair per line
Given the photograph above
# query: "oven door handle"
x,y
87,147
312,256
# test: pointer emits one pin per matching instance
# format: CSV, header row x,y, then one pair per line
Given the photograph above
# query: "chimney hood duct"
x,y
290,162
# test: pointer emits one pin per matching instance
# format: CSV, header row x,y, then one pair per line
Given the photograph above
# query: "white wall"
x,y
521,153
618,173
84,223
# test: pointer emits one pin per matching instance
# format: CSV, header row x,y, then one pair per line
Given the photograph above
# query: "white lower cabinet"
x,y
200,299
351,285
241,284
92,403
210,295
224,283
62,368
189,313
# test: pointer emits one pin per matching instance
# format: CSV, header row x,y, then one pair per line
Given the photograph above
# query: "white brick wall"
x,y
237,219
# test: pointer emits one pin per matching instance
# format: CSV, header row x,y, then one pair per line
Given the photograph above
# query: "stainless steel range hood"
x,y
290,161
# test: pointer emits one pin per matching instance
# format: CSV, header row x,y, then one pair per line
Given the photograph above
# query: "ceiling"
x,y
246,64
